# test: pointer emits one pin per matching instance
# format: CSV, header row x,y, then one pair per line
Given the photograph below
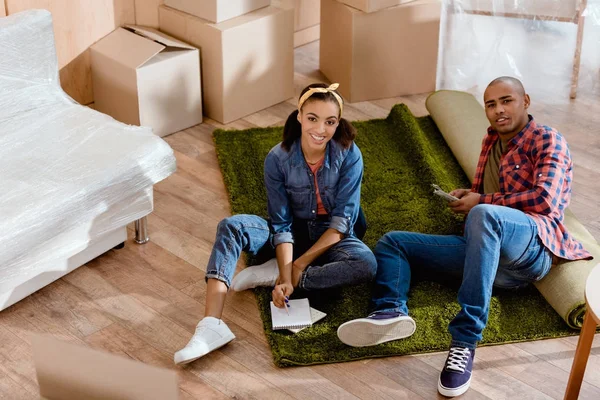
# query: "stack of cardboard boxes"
x,y
224,58
307,19
246,50
380,48
374,48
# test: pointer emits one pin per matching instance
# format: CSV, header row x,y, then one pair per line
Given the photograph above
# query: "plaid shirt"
x,y
535,177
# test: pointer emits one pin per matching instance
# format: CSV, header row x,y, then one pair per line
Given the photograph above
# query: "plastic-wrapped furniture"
x,y
538,41
72,178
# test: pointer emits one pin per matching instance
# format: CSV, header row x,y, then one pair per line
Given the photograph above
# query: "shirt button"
x,y
313,211
517,167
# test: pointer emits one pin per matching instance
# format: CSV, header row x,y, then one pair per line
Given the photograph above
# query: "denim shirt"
x,y
291,188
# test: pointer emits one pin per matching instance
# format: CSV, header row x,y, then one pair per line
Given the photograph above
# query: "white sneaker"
x,y
379,327
211,333
259,275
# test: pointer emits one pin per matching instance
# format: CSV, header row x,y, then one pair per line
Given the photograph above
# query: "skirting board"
x,y
59,268
307,35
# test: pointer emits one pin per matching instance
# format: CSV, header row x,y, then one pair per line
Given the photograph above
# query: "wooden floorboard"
x,y
143,302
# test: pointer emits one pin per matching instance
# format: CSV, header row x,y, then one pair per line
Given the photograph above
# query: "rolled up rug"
x,y
462,122
564,286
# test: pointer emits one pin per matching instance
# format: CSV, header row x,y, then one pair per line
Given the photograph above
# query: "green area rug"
x,y
402,155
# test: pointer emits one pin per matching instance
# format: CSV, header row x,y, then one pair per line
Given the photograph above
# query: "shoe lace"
x,y
265,279
458,359
197,334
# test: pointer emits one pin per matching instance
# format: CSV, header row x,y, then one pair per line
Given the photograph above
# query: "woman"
x,y
313,179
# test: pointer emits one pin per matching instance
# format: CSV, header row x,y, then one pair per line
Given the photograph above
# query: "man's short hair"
x,y
512,81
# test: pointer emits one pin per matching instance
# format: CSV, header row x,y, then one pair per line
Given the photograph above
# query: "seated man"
x,y
513,232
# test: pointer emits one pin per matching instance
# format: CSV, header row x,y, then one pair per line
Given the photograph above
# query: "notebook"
x,y
299,315
315,315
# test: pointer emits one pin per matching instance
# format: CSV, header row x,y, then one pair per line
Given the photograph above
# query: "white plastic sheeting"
x,y
527,39
63,167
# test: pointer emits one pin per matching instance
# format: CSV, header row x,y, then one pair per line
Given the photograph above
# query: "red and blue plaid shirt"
x,y
535,177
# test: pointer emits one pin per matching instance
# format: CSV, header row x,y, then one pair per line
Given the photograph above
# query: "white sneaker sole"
x,y
203,350
370,332
453,392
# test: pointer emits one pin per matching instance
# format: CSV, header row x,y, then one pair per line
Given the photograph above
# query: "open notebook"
x,y
299,315
315,315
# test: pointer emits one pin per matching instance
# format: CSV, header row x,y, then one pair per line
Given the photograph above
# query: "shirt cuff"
x,y
340,224
486,199
283,237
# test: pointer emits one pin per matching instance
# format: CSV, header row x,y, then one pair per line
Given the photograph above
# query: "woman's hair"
x,y
344,133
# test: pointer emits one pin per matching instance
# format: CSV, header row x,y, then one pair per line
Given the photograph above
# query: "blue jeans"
x,y
500,247
349,261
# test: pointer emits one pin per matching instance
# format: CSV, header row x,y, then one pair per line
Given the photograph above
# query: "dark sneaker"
x,y
379,327
456,375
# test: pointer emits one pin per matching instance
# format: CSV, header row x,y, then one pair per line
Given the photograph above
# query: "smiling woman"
x,y
319,120
313,235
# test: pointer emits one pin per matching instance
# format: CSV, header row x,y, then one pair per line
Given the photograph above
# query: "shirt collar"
x,y
298,157
526,131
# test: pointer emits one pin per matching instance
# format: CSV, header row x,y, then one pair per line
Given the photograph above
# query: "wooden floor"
x,y
144,301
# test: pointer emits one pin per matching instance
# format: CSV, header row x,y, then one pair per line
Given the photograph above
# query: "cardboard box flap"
x,y
127,48
159,37
68,371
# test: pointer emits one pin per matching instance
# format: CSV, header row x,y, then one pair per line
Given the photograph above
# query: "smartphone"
x,y
438,191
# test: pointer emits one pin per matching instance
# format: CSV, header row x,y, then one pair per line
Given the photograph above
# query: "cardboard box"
x,y
388,53
307,17
144,77
307,35
66,371
217,10
146,12
247,62
370,6
307,13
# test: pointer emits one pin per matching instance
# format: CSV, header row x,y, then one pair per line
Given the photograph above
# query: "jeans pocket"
x,y
546,266
532,252
535,264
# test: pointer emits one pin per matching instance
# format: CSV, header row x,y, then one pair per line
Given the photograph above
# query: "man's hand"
x,y
459,193
280,292
466,201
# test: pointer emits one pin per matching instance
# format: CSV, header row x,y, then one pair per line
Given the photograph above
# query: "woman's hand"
x,y
280,292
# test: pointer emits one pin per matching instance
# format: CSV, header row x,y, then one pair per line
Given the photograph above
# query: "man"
x,y
513,233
